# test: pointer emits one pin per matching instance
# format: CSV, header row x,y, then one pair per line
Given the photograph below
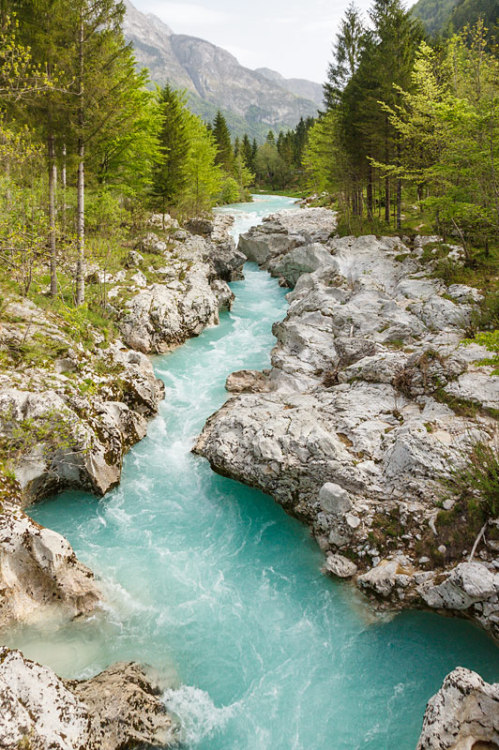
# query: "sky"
x,y
293,37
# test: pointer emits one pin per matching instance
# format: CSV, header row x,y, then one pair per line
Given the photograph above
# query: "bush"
x,y
230,192
478,481
103,212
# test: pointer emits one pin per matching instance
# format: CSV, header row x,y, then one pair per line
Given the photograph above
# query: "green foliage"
x,y
203,177
221,134
169,173
347,50
230,192
467,13
478,481
104,211
445,17
50,429
270,167
449,123
434,14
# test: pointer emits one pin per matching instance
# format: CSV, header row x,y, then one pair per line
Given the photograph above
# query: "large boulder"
x,y
281,233
304,259
40,575
465,585
463,715
121,707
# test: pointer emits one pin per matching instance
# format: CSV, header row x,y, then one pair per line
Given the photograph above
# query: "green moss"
x,y
464,407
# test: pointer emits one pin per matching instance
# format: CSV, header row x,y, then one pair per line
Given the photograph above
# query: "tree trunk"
x,y
370,192
80,204
399,203
387,200
52,167
399,191
64,185
387,179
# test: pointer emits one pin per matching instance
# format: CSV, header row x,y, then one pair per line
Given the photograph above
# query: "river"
x,y
213,584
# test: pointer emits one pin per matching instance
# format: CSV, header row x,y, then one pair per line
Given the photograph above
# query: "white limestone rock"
x,y
37,709
463,715
281,233
304,259
151,243
247,381
340,566
355,399
121,707
334,499
164,315
380,579
478,387
40,576
467,584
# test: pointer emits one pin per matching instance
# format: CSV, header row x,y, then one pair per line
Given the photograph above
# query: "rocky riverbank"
x,y
121,707
463,714
371,403
73,400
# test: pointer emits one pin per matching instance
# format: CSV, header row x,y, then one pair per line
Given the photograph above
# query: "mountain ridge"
x,y
214,79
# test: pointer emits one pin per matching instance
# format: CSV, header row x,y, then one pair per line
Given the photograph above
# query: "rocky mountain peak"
x,y
253,101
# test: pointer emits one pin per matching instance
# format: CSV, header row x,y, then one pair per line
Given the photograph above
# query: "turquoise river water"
x,y
213,584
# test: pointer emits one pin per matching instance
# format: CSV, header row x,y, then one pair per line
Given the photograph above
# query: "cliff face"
x,y
298,86
215,80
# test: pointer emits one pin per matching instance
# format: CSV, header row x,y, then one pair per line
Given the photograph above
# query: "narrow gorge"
x,y
209,581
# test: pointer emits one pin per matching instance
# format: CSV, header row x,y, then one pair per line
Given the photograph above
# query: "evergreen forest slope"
x,y
447,16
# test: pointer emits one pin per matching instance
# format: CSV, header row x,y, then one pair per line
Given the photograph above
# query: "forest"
x,y
407,141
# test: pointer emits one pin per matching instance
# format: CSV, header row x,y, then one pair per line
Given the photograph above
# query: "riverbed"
x,y
214,585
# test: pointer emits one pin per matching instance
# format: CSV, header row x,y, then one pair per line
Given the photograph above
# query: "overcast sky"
x,y
293,37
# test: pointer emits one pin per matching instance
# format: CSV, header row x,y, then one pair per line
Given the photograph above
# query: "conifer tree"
x,y
247,152
221,134
203,177
45,28
347,51
169,175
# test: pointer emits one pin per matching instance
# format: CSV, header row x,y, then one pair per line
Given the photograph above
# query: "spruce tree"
x,y
347,52
169,175
221,134
247,152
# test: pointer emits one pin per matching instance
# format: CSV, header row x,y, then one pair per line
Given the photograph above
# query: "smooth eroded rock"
x,y
340,566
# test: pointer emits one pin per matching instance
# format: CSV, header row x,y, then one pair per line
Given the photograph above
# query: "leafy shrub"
x,y
230,191
478,480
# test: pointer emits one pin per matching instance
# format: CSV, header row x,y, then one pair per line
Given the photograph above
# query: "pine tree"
x,y
247,152
44,28
347,52
221,134
169,175
203,177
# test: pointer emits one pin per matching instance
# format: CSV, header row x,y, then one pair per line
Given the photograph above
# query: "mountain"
x,y
447,16
434,14
297,86
214,79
